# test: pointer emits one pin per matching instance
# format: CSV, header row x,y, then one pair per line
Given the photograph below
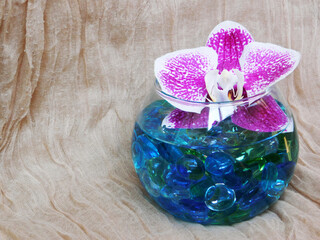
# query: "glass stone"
x,y
269,176
194,152
169,205
252,199
157,169
252,185
276,188
219,163
234,181
174,179
152,188
136,132
219,197
190,167
274,158
170,152
195,210
271,146
149,150
285,170
175,193
137,154
198,190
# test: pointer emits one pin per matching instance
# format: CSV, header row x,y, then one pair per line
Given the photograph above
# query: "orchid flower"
x,y
231,66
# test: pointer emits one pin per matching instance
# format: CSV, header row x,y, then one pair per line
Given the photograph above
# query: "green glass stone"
x,y
242,156
269,176
190,167
255,165
157,168
194,153
274,158
199,189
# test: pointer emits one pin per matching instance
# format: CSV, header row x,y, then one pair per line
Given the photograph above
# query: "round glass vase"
x,y
220,174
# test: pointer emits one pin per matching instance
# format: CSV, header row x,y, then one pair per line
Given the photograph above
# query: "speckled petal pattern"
x,y
228,40
181,73
187,120
265,115
264,64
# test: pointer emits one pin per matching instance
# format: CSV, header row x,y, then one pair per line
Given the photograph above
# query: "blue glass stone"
x,y
250,186
269,176
196,210
136,132
245,200
169,205
157,169
199,217
149,150
152,188
190,167
219,197
254,198
152,124
285,170
175,193
137,154
219,163
259,205
174,179
184,138
149,118
276,188
169,152
234,181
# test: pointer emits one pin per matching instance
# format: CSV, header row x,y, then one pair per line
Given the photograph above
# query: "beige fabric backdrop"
x,y
73,75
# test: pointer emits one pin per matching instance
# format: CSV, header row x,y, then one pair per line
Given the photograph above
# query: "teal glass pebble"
x,y
219,197
219,163
190,167
269,176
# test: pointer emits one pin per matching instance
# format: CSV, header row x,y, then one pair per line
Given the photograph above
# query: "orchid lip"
x,y
242,101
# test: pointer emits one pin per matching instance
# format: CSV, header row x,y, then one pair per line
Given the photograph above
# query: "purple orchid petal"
x,y
183,105
228,40
208,117
186,120
264,64
265,115
181,73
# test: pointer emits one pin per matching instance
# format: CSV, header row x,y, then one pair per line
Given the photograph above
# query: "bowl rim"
x,y
247,100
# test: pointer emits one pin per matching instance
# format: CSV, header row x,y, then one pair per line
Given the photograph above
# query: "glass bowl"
x,y
216,173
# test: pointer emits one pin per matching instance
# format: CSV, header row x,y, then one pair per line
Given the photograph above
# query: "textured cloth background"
x,y
73,76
